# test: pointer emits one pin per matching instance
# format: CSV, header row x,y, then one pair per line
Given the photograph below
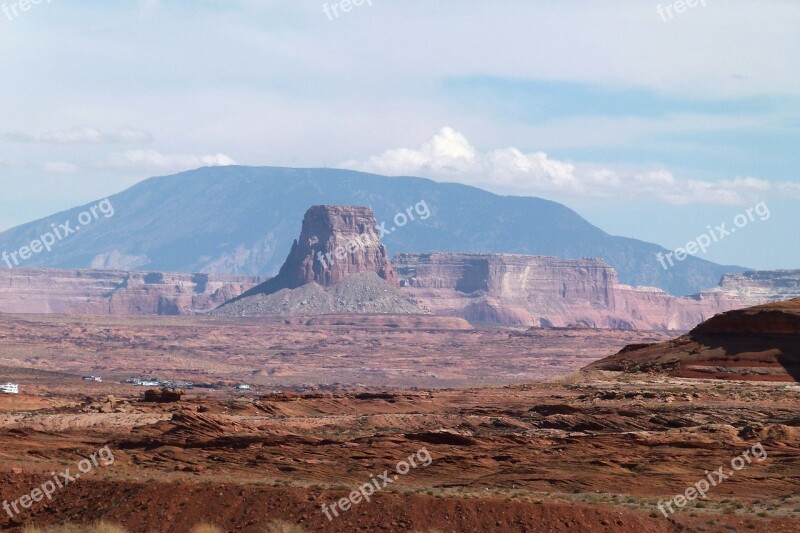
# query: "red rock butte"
x,y
335,242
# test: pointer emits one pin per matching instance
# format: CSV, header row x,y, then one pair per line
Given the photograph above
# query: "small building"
x,y
243,386
9,388
93,378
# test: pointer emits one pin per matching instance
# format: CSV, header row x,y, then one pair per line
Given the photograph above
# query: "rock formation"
x,y
338,265
547,291
760,343
114,292
164,395
335,242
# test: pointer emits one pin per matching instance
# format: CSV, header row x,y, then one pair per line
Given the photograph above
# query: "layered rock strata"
x,y
114,292
552,292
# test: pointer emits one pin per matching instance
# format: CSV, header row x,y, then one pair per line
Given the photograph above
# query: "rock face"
x,y
114,292
338,265
335,242
757,287
760,343
510,289
547,292
165,395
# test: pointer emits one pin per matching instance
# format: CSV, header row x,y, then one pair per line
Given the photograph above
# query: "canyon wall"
x,y
482,288
115,292
547,291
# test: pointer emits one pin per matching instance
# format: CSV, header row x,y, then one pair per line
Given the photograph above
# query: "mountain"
x,y
242,220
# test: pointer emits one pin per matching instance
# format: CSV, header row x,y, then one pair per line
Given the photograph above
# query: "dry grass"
x,y
207,528
281,526
101,526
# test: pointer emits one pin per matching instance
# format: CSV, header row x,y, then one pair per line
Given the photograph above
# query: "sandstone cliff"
x,y
114,292
546,291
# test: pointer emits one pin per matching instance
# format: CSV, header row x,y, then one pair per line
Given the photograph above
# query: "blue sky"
x,y
649,128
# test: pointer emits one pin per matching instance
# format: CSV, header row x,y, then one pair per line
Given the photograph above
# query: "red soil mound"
x,y
760,343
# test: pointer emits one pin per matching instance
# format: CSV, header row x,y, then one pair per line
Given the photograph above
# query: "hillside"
x,y
760,343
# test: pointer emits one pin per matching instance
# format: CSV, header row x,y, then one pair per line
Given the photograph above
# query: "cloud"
x,y
156,161
790,189
60,167
83,135
450,156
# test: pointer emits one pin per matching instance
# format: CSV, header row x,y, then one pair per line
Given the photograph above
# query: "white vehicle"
x,y
9,388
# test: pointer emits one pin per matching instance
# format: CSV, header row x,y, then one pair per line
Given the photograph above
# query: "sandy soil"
x,y
271,353
592,453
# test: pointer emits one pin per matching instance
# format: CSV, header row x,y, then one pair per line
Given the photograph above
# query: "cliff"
x,y
115,292
547,291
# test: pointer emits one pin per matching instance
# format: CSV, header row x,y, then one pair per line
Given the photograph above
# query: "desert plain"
x,y
519,438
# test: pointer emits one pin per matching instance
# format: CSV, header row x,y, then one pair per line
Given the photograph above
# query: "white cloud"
x,y
790,189
60,167
450,156
83,135
156,161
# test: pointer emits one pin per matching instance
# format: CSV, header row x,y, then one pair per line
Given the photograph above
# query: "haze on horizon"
x,y
649,128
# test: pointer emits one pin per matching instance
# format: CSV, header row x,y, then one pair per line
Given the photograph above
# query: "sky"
x,y
649,122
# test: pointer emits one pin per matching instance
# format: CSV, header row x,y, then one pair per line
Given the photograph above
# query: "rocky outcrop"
x,y
760,343
779,318
114,292
164,395
548,292
338,265
335,242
